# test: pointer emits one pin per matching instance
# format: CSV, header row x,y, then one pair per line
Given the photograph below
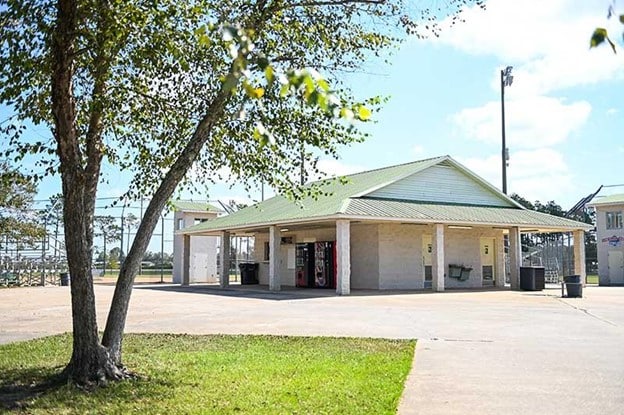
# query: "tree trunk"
x,y
90,362
116,321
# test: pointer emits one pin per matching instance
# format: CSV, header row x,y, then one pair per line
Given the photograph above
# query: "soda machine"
x,y
316,264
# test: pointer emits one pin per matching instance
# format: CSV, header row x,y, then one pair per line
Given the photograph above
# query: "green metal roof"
x,y
608,200
349,201
188,205
458,214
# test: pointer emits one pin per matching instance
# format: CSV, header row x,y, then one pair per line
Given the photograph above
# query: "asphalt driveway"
x,y
489,352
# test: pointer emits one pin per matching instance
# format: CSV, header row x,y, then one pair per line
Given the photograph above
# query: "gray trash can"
x,y
573,285
65,280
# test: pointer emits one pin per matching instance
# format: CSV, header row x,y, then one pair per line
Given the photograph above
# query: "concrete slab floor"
x,y
486,352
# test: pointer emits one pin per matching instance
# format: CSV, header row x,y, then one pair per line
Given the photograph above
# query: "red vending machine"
x,y
304,265
324,265
315,265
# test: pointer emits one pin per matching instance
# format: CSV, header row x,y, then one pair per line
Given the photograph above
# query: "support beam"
x,y
437,258
186,260
275,283
515,257
579,255
343,257
224,260
500,261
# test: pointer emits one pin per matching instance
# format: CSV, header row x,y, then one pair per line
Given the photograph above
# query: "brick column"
x,y
579,255
500,261
186,260
437,258
275,283
343,257
515,257
224,260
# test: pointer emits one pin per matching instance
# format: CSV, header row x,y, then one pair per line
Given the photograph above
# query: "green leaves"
x,y
599,36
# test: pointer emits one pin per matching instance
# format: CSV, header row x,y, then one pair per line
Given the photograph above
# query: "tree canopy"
x,y
171,92
18,222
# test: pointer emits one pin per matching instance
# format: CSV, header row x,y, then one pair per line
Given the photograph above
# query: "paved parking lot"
x,y
488,352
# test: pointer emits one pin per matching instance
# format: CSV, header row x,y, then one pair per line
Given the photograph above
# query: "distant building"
x,y
203,250
610,238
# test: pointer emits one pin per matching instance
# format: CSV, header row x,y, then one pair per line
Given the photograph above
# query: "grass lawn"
x,y
184,374
592,279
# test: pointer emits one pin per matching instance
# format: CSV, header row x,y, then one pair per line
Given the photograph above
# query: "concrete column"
x,y
224,260
437,258
275,283
343,257
186,260
579,255
515,258
500,262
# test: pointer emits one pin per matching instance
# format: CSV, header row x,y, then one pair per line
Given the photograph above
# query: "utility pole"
x,y
506,81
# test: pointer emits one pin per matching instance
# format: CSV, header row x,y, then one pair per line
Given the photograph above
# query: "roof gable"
x,y
617,199
339,195
444,182
190,206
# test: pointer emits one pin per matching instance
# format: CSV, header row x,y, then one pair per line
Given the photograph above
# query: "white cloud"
x,y
333,168
530,122
418,150
612,111
540,174
546,41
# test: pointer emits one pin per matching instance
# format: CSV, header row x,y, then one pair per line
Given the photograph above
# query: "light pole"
x,y
506,80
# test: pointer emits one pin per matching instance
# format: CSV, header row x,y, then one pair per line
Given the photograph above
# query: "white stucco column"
x,y
275,284
343,257
437,258
579,255
500,261
515,257
186,260
224,260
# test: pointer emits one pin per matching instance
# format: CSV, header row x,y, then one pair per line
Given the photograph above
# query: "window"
x,y
180,224
197,221
614,220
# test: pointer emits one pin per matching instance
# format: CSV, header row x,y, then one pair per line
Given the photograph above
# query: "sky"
x,y
564,110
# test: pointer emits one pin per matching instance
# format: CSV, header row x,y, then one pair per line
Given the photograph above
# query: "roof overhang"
x,y
249,229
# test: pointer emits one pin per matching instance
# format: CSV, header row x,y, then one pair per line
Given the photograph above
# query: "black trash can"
x,y
64,279
532,278
574,287
249,273
572,279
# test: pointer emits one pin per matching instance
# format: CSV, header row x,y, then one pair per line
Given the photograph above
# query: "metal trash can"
x,y
249,273
65,280
573,285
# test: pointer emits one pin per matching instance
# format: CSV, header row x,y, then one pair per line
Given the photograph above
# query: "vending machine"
x,y
316,265
304,265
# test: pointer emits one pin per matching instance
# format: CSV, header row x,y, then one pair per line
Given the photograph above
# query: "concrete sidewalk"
x,y
483,352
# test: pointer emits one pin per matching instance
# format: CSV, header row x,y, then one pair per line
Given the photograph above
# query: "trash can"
x,y
249,273
64,279
532,278
573,285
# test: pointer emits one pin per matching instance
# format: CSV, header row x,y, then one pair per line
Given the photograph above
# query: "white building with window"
x,y
202,251
610,238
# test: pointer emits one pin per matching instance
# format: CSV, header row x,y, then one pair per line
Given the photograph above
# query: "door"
x,y
487,261
427,248
616,267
